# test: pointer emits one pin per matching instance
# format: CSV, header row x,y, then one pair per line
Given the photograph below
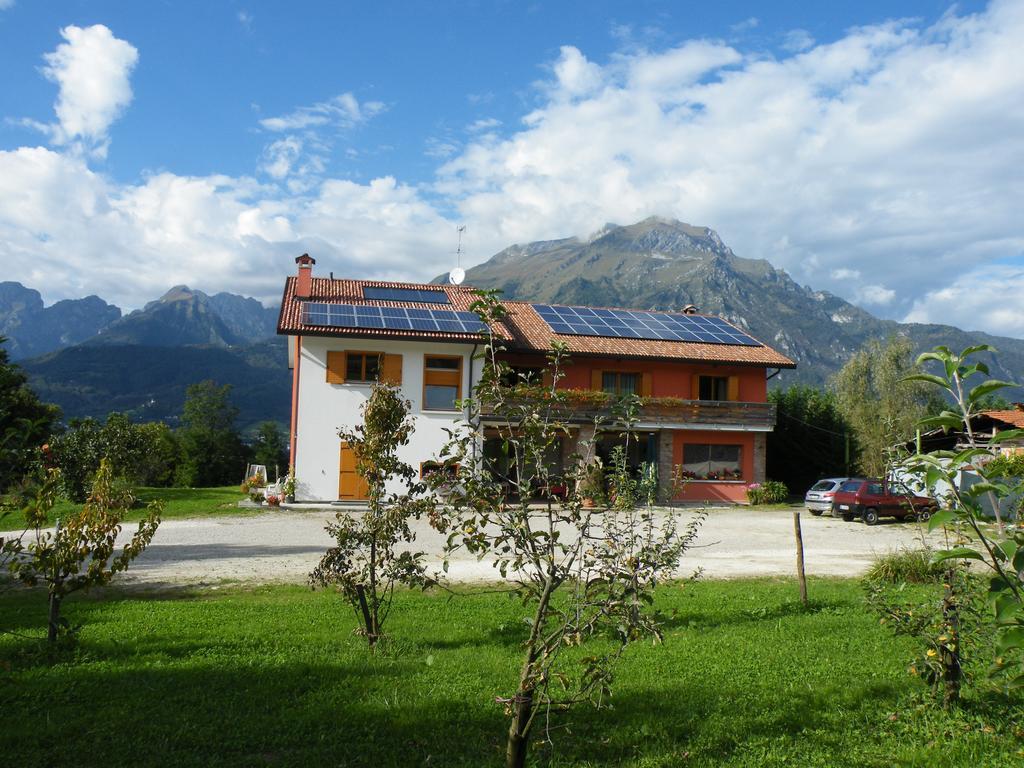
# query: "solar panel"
x,y
390,318
418,295
633,324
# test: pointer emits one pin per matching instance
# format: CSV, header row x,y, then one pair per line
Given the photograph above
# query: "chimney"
x,y
690,309
304,283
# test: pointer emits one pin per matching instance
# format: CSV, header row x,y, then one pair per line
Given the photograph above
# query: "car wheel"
x,y
924,514
816,512
870,516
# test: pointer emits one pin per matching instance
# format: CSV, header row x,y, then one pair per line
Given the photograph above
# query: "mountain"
x,y
149,384
32,329
665,264
183,317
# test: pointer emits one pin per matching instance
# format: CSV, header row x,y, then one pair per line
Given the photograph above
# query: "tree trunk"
x,y
519,730
368,622
951,671
53,623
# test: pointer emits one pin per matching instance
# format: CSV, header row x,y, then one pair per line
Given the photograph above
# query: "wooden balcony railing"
x,y
661,411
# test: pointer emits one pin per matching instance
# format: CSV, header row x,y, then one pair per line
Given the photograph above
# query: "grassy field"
x,y
274,676
178,502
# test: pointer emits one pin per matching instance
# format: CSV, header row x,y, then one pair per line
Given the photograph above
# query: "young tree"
x,y
584,573
879,403
371,555
80,553
963,515
25,422
211,448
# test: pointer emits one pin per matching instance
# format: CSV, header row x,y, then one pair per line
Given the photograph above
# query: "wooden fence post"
x,y
800,558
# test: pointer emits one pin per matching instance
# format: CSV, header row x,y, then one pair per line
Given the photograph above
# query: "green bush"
x,y
768,492
910,566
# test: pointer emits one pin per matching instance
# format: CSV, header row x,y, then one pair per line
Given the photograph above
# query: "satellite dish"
x,y
456,276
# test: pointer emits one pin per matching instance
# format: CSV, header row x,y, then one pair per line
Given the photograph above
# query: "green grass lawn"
x,y
274,676
178,502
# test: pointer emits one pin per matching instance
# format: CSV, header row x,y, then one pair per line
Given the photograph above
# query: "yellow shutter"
x,y
645,385
695,387
734,388
335,367
596,380
391,370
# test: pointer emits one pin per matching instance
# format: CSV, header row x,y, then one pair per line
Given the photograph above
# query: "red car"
x,y
871,499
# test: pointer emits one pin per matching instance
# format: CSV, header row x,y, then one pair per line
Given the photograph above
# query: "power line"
x,y
812,426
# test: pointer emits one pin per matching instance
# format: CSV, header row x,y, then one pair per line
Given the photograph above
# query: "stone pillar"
x,y
760,456
665,464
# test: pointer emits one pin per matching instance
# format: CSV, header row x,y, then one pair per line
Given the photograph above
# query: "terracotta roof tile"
x,y
524,330
1014,417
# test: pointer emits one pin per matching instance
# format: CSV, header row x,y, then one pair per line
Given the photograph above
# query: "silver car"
x,y
819,499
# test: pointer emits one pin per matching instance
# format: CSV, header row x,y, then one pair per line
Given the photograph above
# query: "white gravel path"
x,y
284,546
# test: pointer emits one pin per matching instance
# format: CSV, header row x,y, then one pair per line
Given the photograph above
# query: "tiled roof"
x,y
1015,418
523,330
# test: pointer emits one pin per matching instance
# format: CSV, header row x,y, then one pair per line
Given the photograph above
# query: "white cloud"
x,y
342,111
5,4
483,124
845,274
891,153
746,25
985,298
92,70
877,295
245,19
797,40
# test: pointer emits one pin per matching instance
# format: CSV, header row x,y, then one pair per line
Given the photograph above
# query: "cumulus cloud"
x,y
874,166
92,70
797,40
5,4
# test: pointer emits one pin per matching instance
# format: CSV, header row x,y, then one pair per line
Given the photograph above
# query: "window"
x,y
362,366
442,382
352,367
712,462
618,383
521,375
714,388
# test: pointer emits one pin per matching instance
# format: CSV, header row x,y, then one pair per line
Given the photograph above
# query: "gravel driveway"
x,y
285,546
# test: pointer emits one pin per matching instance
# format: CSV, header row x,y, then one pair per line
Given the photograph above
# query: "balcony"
x,y
584,407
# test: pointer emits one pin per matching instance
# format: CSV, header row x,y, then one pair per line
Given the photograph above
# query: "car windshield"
x,y
823,485
851,485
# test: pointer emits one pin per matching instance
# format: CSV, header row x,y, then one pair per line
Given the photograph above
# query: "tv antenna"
x,y
457,275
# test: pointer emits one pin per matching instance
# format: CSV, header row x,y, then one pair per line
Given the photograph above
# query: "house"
x,y
703,380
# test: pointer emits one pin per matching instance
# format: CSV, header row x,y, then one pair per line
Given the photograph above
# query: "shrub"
x,y
768,492
912,566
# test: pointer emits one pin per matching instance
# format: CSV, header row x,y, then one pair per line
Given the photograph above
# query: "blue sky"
x,y
868,148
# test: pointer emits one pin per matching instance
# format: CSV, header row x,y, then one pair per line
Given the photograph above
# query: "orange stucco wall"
x,y
715,490
667,379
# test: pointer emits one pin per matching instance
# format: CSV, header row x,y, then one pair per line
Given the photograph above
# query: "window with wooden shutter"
x,y
645,385
733,388
357,367
442,382
391,370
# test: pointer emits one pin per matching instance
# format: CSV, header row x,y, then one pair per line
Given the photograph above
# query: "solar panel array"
x,y
419,295
390,318
631,324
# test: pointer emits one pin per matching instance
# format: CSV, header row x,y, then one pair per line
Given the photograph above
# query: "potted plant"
x,y
273,500
592,485
288,488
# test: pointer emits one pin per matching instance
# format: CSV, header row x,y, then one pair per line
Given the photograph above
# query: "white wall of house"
x,y
324,408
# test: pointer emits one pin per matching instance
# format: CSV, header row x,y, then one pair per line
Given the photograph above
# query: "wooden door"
x,y
351,486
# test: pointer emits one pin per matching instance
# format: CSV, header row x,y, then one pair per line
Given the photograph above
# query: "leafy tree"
x,y
158,458
963,517
269,446
585,575
811,438
80,553
879,403
212,452
25,422
371,555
